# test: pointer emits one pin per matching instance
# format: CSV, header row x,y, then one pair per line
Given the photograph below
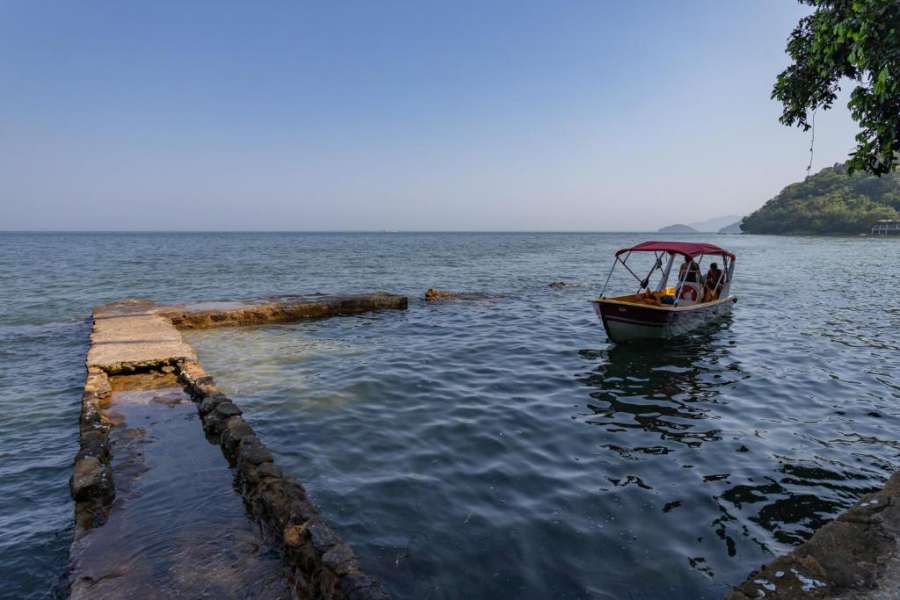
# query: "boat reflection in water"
x,y
662,388
690,446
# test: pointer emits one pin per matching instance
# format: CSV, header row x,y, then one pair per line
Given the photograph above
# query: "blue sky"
x,y
395,115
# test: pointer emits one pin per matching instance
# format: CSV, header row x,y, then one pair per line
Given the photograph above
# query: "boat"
x,y
659,311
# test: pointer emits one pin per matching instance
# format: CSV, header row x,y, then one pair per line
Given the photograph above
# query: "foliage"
x,y
831,201
848,39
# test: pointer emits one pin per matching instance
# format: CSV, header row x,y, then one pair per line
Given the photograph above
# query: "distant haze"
x,y
396,115
715,224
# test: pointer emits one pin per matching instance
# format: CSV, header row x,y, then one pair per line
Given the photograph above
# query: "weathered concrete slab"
x,y
277,309
130,335
855,557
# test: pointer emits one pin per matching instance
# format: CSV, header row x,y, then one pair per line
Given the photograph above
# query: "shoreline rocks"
x,y
856,556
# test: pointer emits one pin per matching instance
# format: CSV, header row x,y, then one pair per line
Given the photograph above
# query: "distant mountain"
x,y
679,228
715,224
733,228
831,201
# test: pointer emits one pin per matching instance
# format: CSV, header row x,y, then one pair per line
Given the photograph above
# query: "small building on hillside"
x,y
886,227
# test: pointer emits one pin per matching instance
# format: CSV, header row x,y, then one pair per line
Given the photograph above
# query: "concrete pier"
x,y
133,336
139,341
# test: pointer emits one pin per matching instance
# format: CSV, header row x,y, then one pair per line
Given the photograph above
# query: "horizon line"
x,y
382,231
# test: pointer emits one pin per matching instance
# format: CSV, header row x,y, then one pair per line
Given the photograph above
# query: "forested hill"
x,y
829,202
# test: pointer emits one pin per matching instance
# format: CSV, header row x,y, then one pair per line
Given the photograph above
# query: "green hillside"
x,y
829,202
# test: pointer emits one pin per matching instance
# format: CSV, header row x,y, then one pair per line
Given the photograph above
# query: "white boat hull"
x,y
625,321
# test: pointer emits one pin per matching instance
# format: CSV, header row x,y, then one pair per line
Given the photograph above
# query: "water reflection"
x,y
654,399
668,390
448,452
177,528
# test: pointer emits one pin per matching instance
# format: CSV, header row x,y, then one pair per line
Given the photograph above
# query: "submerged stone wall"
x,y
326,564
137,336
91,484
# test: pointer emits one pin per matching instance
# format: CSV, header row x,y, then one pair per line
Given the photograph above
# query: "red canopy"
x,y
689,249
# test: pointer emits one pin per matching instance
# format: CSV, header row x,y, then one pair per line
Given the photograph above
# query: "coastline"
x,y
854,557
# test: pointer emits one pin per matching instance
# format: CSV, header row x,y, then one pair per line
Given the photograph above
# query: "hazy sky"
x,y
395,115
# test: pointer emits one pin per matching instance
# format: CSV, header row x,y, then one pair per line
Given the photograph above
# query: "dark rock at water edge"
x,y
855,556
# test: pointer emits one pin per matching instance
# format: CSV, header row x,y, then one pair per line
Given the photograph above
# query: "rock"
x,y
91,479
293,535
226,409
252,451
321,536
340,559
433,295
210,403
238,427
97,383
302,510
248,475
558,284
268,469
212,423
91,417
205,385
274,502
94,444
192,371
235,430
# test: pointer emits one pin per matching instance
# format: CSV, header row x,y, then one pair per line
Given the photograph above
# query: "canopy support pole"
x,y
683,279
639,280
665,273
611,269
727,287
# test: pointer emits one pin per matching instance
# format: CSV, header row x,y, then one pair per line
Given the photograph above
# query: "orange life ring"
x,y
689,290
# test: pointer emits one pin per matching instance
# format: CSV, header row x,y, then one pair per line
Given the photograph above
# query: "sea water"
x,y
497,446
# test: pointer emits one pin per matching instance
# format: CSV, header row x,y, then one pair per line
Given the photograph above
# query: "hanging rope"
x,y
812,143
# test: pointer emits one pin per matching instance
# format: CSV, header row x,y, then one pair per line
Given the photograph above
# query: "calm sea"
x,y
497,447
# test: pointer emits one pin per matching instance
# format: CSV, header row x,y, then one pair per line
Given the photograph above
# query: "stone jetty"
x,y
138,337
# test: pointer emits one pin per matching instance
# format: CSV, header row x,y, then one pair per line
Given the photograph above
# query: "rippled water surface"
x,y
496,447
177,528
